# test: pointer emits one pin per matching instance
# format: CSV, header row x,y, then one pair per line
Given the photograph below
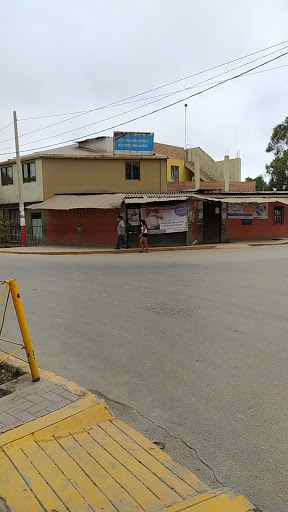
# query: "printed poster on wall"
x,y
165,219
248,211
133,216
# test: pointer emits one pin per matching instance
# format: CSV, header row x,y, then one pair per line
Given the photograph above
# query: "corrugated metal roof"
x,y
73,202
156,194
108,201
242,199
146,199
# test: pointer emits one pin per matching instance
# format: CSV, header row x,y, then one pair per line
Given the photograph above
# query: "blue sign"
x,y
133,142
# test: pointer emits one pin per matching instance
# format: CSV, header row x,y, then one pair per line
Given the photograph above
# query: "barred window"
x,y
278,215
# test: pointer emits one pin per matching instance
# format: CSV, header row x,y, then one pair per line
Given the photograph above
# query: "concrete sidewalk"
x,y
66,250
78,457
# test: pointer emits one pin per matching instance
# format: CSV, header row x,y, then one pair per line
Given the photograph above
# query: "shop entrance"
x,y
211,222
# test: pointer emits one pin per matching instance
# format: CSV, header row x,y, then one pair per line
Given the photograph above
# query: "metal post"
x,y
79,227
24,329
185,141
20,183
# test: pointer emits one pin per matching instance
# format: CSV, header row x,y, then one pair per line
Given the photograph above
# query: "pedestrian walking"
x,y
143,237
120,233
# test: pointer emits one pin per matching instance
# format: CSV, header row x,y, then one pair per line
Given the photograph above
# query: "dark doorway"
x,y
211,222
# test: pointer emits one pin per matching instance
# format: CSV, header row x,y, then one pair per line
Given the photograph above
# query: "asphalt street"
x,y
190,347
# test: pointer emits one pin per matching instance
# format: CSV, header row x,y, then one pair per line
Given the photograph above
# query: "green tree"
x,y
278,146
261,183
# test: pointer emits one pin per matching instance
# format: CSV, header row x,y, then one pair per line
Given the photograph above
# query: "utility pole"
x,y
185,141
20,183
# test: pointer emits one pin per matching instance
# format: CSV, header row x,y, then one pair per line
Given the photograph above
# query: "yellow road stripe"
x,y
14,490
117,495
94,497
160,455
55,477
75,423
182,489
164,493
214,502
35,482
134,487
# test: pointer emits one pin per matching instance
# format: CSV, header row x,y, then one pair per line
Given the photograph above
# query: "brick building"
x,y
73,195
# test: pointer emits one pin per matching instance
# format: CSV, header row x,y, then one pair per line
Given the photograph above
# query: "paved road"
x,y
190,347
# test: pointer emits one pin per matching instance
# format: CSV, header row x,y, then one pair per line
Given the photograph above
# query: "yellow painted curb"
x,y
214,501
52,418
73,388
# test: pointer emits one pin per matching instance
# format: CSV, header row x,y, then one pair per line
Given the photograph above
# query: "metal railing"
x,y
11,288
15,241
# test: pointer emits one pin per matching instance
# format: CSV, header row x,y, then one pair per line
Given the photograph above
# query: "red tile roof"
x,y
171,151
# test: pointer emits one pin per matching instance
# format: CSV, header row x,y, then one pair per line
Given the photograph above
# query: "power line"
x,y
4,128
133,109
117,103
127,111
164,107
158,87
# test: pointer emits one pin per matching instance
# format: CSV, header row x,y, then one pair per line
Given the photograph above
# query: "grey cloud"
x,y
74,55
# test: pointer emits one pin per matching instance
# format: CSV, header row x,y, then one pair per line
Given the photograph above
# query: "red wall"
x,y
62,226
260,228
99,227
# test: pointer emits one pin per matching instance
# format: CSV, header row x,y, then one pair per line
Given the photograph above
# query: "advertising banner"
x,y
248,211
129,143
165,219
133,216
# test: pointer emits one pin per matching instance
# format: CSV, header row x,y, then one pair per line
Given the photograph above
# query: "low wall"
x,y
241,186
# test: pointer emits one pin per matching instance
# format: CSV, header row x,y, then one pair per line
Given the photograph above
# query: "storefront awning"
x,y
75,202
156,199
242,199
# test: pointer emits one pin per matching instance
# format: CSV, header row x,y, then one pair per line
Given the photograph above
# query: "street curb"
x,y
87,400
206,500
235,245
112,251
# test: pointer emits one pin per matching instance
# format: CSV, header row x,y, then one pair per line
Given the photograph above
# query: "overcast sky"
x,y
60,56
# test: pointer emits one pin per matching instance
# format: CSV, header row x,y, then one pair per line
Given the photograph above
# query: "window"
x,y
246,222
278,215
29,172
174,173
36,225
132,170
6,176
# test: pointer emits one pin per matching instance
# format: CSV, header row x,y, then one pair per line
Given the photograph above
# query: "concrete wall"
x,y
106,175
242,186
234,169
260,228
215,170
32,192
184,173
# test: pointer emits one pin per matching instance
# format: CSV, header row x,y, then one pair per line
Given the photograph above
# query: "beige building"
x,y
195,165
91,166
86,167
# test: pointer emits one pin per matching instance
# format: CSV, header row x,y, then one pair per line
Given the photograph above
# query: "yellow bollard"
x,y
24,329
